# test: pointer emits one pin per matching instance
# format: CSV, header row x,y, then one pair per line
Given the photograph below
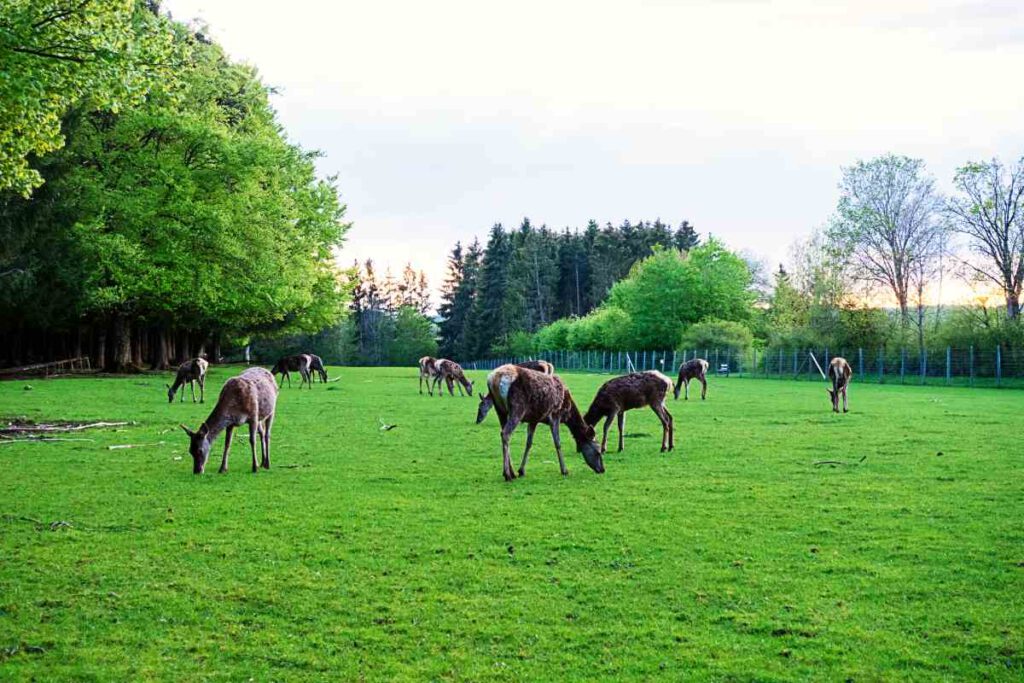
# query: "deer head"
x,y
198,447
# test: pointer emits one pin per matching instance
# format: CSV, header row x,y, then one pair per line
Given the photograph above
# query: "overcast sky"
x,y
442,118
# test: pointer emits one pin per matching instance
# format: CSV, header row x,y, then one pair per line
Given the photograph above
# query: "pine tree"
x,y
686,237
491,316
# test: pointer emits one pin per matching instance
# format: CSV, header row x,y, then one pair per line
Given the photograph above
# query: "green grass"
x,y
404,555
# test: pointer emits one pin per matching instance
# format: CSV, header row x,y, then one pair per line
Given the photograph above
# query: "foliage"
x,y
59,54
189,210
718,334
358,556
988,208
413,337
389,325
526,279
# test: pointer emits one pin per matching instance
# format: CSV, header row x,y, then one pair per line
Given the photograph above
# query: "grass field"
x,y
403,554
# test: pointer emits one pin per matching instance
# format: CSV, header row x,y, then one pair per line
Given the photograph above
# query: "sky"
x,y
442,118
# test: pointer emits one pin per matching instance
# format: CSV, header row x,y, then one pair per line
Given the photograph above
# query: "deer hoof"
x,y
522,472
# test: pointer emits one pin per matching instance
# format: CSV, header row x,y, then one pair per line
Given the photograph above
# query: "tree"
x,y
177,222
56,54
412,337
988,208
685,237
887,218
491,319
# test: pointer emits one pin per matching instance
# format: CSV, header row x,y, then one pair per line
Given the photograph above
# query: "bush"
x,y
554,337
718,334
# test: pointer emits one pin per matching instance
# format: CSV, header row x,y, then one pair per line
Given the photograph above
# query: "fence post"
x,y
674,366
924,365
999,365
949,363
972,364
860,357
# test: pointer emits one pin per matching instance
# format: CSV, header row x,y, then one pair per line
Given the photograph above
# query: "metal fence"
x,y
995,367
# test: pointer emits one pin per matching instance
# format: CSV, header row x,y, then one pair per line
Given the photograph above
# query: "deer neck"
x,y
216,423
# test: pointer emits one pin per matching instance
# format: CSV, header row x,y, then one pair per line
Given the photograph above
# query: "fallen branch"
x,y
134,445
45,428
37,439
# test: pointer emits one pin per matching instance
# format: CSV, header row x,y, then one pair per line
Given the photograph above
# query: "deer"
x,y
839,372
486,402
316,365
522,395
428,368
635,390
248,398
300,363
451,373
692,369
190,371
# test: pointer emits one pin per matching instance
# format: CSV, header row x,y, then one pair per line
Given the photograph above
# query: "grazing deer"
x,y
300,363
428,368
316,365
190,371
839,372
486,402
522,395
451,373
692,369
248,398
635,390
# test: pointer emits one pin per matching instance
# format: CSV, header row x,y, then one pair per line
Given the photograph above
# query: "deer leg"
x,y
845,407
686,389
228,432
703,388
451,387
604,437
253,428
530,429
202,389
266,442
660,411
506,460
421,384
622,428
192,386
556,437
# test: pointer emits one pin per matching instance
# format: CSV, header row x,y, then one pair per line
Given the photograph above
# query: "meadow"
x,y
402,554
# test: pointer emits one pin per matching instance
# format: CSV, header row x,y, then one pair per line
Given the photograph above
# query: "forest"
x,y
151,205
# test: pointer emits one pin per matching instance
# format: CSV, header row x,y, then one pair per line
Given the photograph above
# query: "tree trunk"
x,y
122,344
100,360
138,336
162,357
184,352
1012,305
216,348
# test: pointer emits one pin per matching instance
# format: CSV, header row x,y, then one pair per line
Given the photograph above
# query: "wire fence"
x,y
994,367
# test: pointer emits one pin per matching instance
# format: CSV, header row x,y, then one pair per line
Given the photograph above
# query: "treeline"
x,y
151,206
893,237
526,278
388,324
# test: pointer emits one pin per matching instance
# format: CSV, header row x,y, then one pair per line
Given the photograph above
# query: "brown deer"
x,y
248,398
486,402
839,372
522,395
300,363
692,369
316,367
190,371
428,368
635,390
451,373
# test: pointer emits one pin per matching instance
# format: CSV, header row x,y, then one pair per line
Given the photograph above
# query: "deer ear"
x,y
187,430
